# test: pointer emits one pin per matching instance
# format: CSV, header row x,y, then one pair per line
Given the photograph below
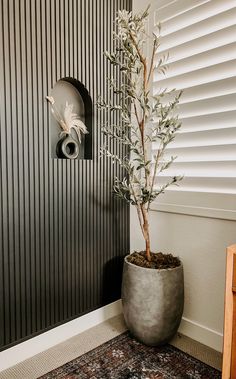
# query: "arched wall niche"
x,y
72,91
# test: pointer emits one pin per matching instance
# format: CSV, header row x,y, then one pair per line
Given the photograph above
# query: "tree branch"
x,y
136,114
140,217
154,175
152,59
141,57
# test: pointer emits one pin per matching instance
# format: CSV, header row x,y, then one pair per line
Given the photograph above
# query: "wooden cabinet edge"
x,y
228,316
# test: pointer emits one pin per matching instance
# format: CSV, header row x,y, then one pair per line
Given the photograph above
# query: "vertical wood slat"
x,y
25,171
8,190
60,227
2,122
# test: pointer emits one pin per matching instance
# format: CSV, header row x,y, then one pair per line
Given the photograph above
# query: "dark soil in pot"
x,y
158,260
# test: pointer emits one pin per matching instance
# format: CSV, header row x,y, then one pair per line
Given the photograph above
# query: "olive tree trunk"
x,y
146,233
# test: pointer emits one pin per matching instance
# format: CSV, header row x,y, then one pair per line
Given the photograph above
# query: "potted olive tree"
x,y
152,288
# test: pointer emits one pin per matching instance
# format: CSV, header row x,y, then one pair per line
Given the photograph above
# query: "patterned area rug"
x,y
125,358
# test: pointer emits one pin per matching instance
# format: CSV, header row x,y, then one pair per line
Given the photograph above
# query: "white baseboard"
x,y
202,334
44,341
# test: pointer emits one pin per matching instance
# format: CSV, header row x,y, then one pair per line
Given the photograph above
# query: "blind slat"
x,y
196,15
203,91
202,169
205,75
208,90
202,44
202,60
209,122
175,8
202,153
203,138
207,184
198,30
208,106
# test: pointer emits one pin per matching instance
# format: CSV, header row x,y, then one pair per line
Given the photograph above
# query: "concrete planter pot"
x,y
153,302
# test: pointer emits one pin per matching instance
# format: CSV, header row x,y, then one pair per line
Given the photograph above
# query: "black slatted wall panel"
x,y
62,235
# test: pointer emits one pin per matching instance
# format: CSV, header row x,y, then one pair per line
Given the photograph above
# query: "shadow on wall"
x,y
111,277
112,271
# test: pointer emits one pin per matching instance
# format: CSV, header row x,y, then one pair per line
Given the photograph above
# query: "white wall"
x,y
200,243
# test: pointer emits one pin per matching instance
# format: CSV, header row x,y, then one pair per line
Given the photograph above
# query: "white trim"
x,y
202,334
44,341
223,214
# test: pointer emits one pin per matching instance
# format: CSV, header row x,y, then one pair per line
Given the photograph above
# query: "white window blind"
x,y
200,37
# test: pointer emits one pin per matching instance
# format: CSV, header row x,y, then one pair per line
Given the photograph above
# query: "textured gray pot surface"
x,y
152,302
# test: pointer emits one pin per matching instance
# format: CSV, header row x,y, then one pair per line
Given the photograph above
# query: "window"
x,y
200,38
